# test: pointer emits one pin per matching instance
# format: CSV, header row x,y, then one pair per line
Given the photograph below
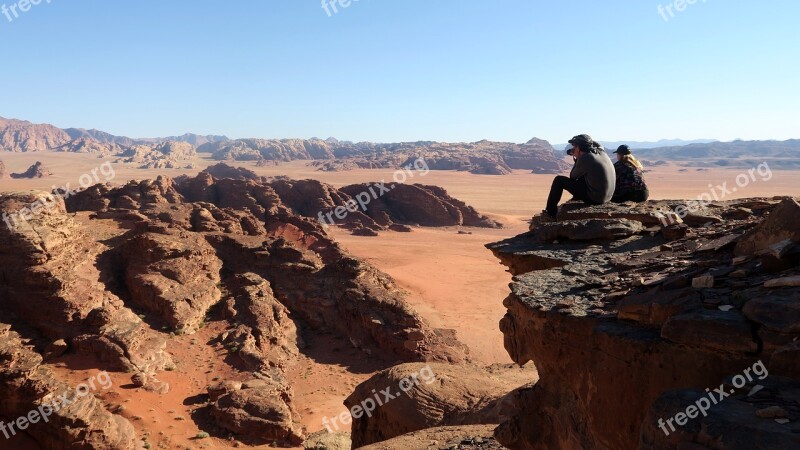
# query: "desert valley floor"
x,y
453,281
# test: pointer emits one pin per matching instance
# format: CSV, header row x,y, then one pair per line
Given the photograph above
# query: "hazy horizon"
x,y
554,143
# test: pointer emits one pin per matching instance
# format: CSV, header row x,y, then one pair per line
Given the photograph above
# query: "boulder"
x,y
56,349
38,170
325,440
464,437
418,396
173,276
254,410
779,226
779,313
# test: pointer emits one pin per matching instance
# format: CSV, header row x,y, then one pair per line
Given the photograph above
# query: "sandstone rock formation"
x,y
465,437
325,440
172,276
743,421
2,170
38,170
628,321
130,266
413,397
74,420
23,136
419,204
222,170
86,144
400,206
484,157
52,283
166,155
255,409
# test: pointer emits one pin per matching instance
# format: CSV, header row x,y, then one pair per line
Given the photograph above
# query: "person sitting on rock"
x,y
591,179
630,178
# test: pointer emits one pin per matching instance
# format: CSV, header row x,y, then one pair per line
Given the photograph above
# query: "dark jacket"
x,y
598,172
629,179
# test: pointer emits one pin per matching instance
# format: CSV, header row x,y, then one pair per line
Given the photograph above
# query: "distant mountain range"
x,y
23,136
105,138
656,144
647,144
739,154
482,157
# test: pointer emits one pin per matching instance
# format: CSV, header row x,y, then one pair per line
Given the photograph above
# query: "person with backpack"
x,y
592,177
630,185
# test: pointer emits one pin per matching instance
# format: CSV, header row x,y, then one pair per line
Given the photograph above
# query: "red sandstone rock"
x,y
464,437
26,385
172,251
37,170
613,327
254,409
174,276
413,397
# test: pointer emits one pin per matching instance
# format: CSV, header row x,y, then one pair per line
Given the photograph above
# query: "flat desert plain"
x,y
451,279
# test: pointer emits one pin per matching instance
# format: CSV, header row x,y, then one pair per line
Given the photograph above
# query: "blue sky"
x,y
400,70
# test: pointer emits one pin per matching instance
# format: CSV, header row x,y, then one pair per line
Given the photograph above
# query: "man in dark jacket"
x,y
592,179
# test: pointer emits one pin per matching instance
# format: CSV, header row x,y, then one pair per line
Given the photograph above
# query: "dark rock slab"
x,y
720,330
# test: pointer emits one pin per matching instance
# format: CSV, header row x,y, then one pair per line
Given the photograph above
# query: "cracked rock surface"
x,y
614,320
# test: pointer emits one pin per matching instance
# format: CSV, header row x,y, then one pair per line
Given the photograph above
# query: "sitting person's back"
x,y
598,171
591,179
630,185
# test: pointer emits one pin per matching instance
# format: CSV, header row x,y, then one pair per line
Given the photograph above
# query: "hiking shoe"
x,y
544,217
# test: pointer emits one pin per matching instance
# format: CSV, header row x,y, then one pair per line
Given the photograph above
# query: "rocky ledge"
x,y
631,312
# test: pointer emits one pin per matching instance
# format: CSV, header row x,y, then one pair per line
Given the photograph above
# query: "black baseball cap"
x,y
623,150
582,138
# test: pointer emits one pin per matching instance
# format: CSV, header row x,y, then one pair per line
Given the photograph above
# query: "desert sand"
x,y
451,279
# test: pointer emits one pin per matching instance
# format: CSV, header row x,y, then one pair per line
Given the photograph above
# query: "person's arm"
x,y
580,168
619,169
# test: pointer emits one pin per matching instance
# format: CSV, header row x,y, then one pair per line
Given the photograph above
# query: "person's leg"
x,y
561,184
580,190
